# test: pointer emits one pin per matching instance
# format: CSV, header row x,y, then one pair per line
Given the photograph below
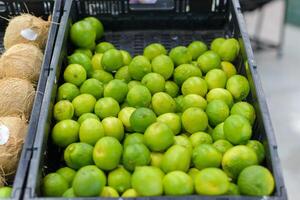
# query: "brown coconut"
x,y
26,28
16,97
2,181
22,61
12,131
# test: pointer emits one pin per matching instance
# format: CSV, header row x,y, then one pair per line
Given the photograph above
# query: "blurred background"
x,y
274,26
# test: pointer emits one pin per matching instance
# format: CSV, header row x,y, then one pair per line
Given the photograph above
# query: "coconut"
x,y
16,97
2,181
22,61
26,28
12,131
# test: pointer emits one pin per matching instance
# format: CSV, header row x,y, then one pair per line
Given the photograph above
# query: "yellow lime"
x,y
194,85
87,116
67,91
172,120
220,94
208,61
83,103
217,111
216,43
233,190
215,78
200,138
130,193
228,68
138,96
78,155
87,52
126,57
119,179
222,145
106,107
63,110
109,192
113,127
69,193
103,47
96,61
163,65
92,86
196,49
123,74
194,119
156,159
153,50
163,103
193,173
90,131
154,82
124,116
67,173
193,100
244,109
102,76
139,67
238,86
206,155
83,60
178,183
75,74
171,89
229,50
185,71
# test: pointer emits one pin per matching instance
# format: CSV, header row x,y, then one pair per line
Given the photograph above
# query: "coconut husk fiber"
x,y
26,28
10,151
16,97
22,61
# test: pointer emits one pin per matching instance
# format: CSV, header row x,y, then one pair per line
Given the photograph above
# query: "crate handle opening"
x,y
151,5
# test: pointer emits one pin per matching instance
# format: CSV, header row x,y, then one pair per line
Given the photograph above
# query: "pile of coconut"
x,y
24,40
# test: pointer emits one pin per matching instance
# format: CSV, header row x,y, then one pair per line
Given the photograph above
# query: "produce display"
x,y
168,122
24,41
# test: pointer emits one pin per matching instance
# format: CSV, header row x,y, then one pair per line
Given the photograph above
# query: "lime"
x,y
200,138
185,71
82,34
153,50
158,137
228,68
69,193
124,116
75,73
97,25
119,179
135,155
216,78
163,65
244,109
126,57
5,192
156,159
67,173
91,46
132,83
112,60
196,49
54,185
102,76
222,145
67,91
109,192
139,67
113,127
96,61
238,86
141,118
216,43
130,193
258,148
233,190
180,55
87,52
184,141
237,129
163,103
90,131
217,111
123,74
106,107
78,155
85,116
208,61
229,50
179,103
193,100
176,158
194,119
171,89
63,110
211,181
107,153
134,138
206,155
194,85
193,173
116,89
178,183
83,103
172,120
89,181
256,181
139,96
154,82
83,60
65,132
220,94
92,86
103,47
147,181
238,158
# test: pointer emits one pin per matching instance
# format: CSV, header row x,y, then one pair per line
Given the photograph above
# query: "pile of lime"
x,y
161,123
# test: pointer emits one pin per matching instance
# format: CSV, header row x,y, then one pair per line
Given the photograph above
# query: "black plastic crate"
x,y
40,8
132,27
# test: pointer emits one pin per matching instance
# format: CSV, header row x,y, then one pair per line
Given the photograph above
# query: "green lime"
x,y
133,83
83,103
103,47
158,137
124,116
54,185
238,158
194,85
139,96
67,91
89,181
193,173
184,141
97,25
216,78
69,193
208,61
194,119
63,110
178,183
90,131
176,158
106,107
65,132
258,148
220,94
154,82
83,60
196,49
116,89
163,103
85,116
135,155
156,159
139,67
222,145
171,89
5,192
179,103
102,76
130,193
237,129
244,109
75,73
217,111
82,34
78,155
126,57
200,138
185,71
163,65
109,192
256,181
107,153
238,86
134,138
112,60
233,190
119,179
87,52
193,100
123,74
141,118
92,86
172,120
67,173
113,127
228,68
229,50
153,50
180,55
206,155
96,61
216,43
